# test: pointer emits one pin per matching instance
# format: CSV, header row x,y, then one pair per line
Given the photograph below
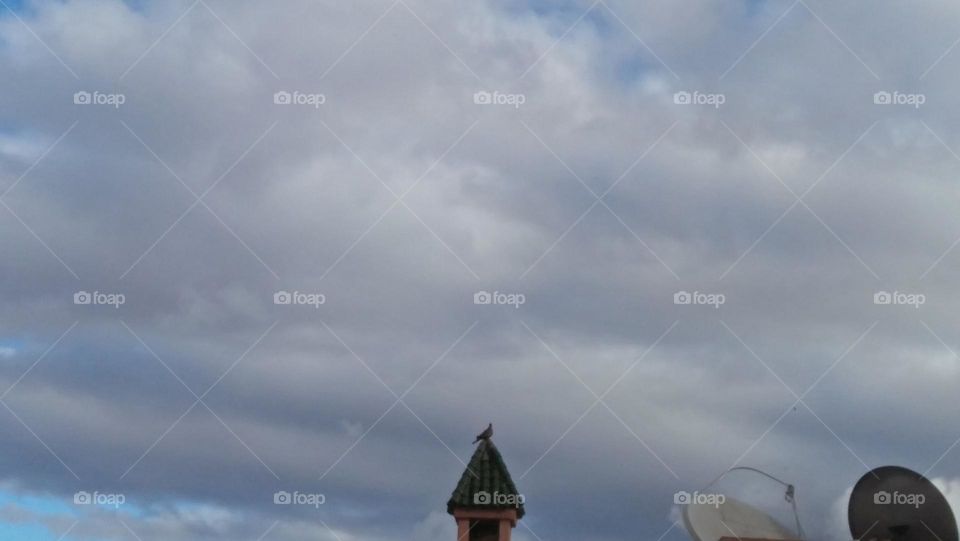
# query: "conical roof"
x,y
486,476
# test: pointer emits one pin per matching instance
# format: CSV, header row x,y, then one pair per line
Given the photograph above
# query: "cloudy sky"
x,y
315,246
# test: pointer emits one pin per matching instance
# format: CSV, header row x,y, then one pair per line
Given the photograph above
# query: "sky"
x,y
314,247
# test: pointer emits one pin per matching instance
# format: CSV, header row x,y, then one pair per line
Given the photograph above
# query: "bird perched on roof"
x,y
485,435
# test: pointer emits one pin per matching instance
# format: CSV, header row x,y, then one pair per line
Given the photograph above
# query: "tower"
x,y
485,504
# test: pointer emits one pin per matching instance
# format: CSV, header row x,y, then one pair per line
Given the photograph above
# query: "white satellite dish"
x,y
731,519
714,518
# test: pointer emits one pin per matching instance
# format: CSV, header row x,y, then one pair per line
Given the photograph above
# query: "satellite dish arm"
x,y
789,495
755,470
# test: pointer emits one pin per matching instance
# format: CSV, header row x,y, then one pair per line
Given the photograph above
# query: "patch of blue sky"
x,y
28,532
24,6
36,508
42,505
17,6
627,60
10,347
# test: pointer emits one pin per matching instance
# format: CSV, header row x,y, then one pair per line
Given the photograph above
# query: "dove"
x,y
485,435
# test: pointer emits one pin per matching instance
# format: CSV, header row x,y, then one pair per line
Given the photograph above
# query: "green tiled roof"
x,y
486,473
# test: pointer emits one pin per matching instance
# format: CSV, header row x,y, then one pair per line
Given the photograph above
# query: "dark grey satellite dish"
x,y
897,504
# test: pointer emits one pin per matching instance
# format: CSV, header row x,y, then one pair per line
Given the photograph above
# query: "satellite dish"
x,y
713,516
731,519
897,504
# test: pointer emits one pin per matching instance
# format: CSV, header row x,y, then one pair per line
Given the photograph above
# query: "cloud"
x,y
437,526
399,197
